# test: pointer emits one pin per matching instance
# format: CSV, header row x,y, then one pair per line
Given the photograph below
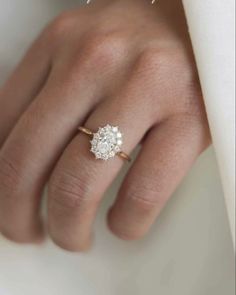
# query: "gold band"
x,y
88,132
124,156
85,131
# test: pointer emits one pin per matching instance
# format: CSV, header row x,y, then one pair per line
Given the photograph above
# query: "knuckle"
x,y
153,62
69,190
99,52
105,50
145,198
61,24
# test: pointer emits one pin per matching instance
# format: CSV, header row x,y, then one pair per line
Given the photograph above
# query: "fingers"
x,y
34,146
75,85
79,180
167,154
23,85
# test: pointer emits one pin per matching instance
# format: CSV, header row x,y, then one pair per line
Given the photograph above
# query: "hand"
x,y
123,62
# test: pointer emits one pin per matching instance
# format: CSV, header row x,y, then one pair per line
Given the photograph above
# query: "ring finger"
x,y
79,181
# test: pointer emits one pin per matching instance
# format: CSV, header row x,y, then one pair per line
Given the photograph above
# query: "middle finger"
x,y
36,142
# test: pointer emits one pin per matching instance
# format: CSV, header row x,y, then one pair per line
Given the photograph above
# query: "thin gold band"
x,y
88,132
85,131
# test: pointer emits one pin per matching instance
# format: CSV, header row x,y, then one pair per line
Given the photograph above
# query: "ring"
x,y
106,142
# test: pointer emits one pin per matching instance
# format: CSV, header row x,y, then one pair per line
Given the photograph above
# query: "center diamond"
x,y
106,142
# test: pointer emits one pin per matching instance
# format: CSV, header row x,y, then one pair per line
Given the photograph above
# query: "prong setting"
x,y
106,142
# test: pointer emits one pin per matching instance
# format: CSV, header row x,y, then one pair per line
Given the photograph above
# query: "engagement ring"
x,y
106,142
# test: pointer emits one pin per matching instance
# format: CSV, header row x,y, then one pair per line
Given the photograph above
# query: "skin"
x,y
127,63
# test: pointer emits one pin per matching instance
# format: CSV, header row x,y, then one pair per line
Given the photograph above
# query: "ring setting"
x,y
106,143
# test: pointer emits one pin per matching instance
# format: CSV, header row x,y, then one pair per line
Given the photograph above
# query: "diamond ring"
x,y
106,142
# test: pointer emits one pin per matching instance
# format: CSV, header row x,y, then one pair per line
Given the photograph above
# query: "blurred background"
x,y
188,252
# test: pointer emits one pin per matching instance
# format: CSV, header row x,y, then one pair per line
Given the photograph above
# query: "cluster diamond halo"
x,y
106,142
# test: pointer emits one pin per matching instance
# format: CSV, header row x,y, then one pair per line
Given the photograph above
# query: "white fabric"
x,y
212,29
189,250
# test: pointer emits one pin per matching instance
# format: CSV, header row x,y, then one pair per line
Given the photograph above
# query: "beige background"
x,y
188,252
212,30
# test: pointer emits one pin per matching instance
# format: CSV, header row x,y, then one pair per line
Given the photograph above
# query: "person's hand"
x,y
126,63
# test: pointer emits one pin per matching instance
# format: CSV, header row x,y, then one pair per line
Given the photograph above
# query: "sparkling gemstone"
x,y
106,142
103,147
